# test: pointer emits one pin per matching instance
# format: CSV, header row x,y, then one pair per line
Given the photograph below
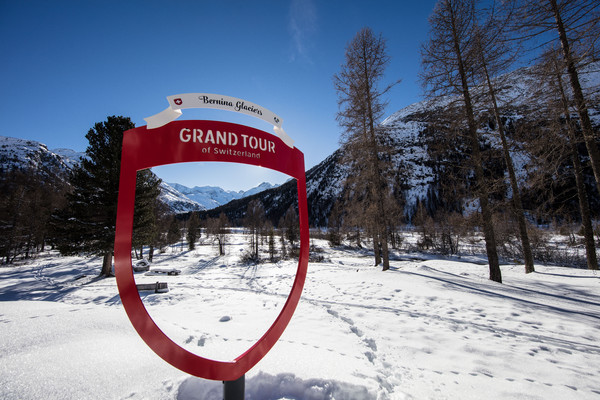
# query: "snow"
x,y
184,199
69,156
430,328
22,153
414,157
177,201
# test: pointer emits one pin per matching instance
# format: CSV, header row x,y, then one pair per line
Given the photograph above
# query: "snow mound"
x,y
264,386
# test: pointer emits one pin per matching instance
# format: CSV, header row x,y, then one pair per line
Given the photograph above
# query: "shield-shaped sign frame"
x,y
190,141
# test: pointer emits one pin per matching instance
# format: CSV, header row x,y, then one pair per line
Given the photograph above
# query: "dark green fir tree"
x,y
146,216
87,224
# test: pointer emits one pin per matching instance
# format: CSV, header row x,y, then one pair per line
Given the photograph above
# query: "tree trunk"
x,y
377,184
584,206
586,221
516,197
385,249
482,192
107,264
376,249
151,253
584,117
255,248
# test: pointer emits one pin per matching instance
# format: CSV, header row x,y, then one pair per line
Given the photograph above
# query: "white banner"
x,y
209,100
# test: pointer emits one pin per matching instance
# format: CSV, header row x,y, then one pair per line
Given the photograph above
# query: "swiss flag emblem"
x,y
178,102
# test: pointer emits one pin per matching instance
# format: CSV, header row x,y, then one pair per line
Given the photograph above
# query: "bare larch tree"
x,y
576,26
493,56
361,106
448,60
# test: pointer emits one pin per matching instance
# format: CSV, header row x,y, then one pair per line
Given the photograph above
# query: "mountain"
x,y
29,154
409,131
419,176
177,202
57,163
70,157
184,199
324,184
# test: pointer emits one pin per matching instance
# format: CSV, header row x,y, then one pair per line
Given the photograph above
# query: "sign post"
x,y
190,141
234,390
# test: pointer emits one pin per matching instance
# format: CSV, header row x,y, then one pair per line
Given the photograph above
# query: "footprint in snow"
x,y
370,343
356,331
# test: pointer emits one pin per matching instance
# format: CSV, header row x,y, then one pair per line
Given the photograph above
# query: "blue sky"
x,y
67,65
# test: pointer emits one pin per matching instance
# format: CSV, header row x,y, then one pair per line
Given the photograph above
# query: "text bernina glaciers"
x,y
226,139
239,105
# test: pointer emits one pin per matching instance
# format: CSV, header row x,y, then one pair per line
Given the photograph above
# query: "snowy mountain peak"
x,y
209,197
18,153
70,157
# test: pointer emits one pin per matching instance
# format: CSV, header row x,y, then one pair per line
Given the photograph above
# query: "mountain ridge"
x,y
57,163
418,176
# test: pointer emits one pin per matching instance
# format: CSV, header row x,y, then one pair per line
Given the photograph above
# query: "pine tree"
x,y
193,227
87,223
291,225
270,229
145,224
174,231
162,220
335,221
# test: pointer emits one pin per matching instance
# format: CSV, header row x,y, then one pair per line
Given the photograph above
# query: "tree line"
x,y
282,241
469,49
77,215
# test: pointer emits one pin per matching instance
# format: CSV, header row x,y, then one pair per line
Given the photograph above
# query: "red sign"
x,y
189,141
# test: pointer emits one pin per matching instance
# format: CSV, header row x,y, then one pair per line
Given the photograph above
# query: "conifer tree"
x,y
270,229
145,224
161,220
493,56
361,105
193,226
254,221
558,105
448,61
87,223
576,26
218,227
174,231
291,225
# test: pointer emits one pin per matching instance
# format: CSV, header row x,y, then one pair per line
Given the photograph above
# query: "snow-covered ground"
x,y
426,329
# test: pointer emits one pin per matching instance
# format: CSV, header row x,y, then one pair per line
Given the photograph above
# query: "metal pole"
x,y
234,390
